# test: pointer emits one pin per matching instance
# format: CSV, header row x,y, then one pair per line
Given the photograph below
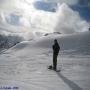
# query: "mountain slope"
x,y
25,65
74,43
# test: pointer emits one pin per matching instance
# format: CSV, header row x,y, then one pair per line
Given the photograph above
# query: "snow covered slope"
x,y
67,41
70,44
25,65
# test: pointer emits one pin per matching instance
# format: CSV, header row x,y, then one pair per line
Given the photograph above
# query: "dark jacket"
x,y
56,48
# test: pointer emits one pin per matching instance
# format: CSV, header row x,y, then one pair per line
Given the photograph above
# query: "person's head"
x,y
55,41
89,29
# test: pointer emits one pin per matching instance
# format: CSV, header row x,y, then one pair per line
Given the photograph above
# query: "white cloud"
x,y
7,4
2,18
24,22
69,21
19,17
26,15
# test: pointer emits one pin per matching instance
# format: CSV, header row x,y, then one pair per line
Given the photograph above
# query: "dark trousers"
x,y
54,61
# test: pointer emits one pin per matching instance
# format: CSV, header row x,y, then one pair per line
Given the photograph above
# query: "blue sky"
x,y
47,6
83,11
82,6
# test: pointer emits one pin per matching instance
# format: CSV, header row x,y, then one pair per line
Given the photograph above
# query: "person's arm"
x,y
59,47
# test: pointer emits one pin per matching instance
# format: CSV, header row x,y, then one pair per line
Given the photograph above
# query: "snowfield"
x,y
25,65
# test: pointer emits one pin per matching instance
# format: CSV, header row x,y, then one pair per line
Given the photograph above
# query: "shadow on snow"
x,y
70,83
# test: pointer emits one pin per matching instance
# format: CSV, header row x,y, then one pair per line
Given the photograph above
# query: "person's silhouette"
x,y
89,29
56,49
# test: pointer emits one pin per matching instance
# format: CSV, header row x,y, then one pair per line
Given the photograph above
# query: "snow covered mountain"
x,y
29,26
24,66
78,43
7,41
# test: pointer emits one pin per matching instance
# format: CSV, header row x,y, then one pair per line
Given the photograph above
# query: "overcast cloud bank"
x,y
18,16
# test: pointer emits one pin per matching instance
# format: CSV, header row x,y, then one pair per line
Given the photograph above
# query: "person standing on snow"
x,y
56,49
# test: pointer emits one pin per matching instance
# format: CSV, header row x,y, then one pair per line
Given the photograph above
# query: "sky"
x,y
32,16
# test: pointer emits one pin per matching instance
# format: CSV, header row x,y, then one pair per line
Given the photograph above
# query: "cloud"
x,y
2,18
7,4
69,21
21,17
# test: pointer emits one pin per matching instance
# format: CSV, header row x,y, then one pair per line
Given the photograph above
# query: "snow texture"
x,y
25,65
